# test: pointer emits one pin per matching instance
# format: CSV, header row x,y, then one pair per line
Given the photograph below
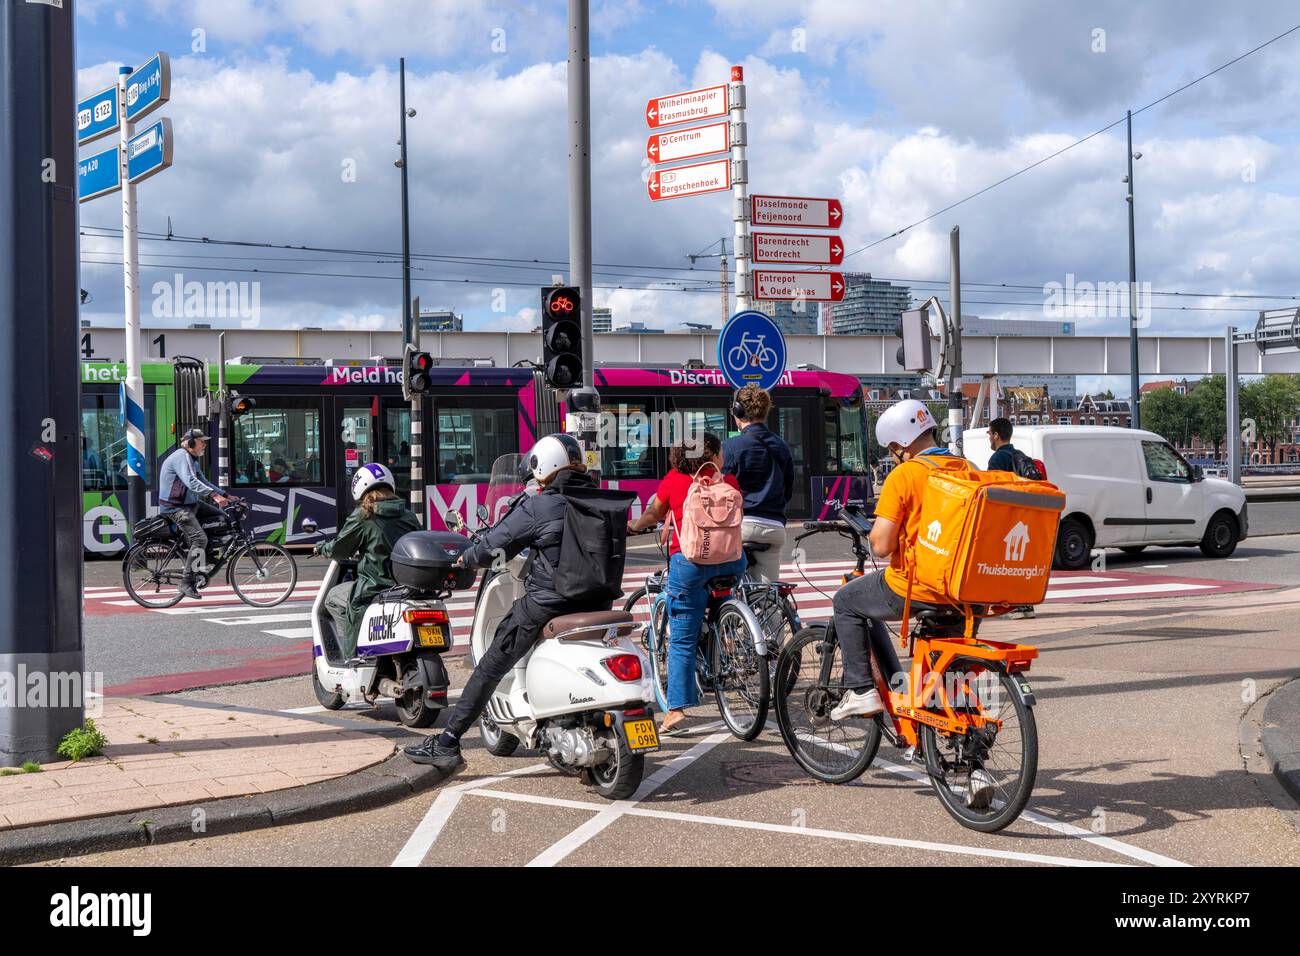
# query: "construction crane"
x,y
722,257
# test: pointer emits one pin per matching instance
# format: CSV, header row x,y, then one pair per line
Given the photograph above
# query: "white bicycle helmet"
x,y
553,453
903,423
369,476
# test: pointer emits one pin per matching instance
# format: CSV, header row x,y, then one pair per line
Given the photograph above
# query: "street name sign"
x,y
801,211
688,143
708,103
149,152
99,175
794,286
149,87
97,116
795,249
689,180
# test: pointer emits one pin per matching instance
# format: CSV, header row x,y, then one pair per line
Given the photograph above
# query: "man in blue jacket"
x,y
181,493
764,468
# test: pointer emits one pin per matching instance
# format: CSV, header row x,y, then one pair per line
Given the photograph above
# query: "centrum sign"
x,y
708,103
689,180
688,143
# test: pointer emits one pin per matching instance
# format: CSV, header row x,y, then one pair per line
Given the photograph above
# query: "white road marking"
x,y
843,835
291,633
318,709
1130,589
563,847
426,833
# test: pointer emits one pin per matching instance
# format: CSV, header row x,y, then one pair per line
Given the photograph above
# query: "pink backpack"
x,y
710,531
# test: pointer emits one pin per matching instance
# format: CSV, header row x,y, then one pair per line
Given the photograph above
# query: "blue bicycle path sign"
x,y
751,350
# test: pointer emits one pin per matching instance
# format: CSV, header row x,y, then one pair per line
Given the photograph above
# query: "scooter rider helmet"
x,y
552,454
903,423
369,476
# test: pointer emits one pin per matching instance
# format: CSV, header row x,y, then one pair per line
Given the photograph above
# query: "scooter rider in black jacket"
x,y
536,523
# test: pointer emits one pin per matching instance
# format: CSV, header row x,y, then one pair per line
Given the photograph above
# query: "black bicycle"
x,y
262,573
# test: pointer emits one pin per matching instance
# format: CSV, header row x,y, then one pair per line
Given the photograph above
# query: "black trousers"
x,y
514,638
861,608
189,519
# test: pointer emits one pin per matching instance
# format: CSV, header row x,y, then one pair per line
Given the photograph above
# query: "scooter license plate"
x,y
641,735
431,635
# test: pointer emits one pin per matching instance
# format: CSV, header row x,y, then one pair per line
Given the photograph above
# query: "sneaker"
x,y
430,752
981,788
1024,613
188,589
858,704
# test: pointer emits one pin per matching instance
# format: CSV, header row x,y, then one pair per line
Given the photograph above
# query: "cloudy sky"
x,y
285,117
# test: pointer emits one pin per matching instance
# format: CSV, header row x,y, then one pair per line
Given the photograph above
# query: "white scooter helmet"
x,y
553,453
903,423
370,476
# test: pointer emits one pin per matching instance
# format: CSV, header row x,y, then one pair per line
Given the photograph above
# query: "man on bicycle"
x,y
181,493
862,606
762,464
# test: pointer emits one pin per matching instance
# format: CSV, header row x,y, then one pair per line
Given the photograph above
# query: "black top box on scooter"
x,y
423,560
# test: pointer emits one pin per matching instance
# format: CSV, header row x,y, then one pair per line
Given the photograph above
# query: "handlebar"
x,y
853,522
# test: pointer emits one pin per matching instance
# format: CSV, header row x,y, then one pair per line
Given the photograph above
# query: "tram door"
x,y
372,430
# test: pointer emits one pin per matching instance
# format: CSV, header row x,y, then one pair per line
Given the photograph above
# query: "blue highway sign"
x,y
149,87
97,116
751,350
99,174
149,152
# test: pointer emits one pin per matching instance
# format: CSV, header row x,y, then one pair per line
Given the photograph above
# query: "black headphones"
x,y
737,411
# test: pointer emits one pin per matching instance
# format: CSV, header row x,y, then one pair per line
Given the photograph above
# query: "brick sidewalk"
x,y
163,754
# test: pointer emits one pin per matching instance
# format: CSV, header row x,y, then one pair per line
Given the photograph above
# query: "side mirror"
x,y
483,513
309,525
1198,473
453,520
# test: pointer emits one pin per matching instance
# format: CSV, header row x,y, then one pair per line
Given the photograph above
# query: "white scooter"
x,y
403,634
583,693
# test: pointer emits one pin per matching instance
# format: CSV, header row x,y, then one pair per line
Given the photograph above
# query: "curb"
x,y
1279,736
375,786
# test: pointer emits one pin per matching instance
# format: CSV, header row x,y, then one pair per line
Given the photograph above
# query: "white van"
x,y
1125,488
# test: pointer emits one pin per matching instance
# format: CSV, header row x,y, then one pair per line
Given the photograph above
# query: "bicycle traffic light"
x,y
239,404
562,336
415,372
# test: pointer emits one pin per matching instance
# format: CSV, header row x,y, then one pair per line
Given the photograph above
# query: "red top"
x,y
672,492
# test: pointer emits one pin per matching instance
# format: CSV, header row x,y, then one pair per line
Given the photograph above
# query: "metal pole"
x,y
406,216
417,430
223,419
579,81
740,188
1230,384
726,292
954,346
136,448
1135,418
41,654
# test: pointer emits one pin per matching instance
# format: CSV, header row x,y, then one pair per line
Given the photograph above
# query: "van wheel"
x,y
1134,549
1073,545
1220,536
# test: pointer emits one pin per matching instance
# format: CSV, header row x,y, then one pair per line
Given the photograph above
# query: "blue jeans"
x,y
687,598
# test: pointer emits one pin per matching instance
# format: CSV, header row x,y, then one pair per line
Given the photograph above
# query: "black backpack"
x,y
1024,466
593,548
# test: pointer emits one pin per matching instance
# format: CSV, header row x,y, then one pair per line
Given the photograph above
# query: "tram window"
x,y
277,446
627,441
846,447
471,439
103,443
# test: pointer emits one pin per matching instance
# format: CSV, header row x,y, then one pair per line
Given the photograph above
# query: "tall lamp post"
x,y
1135,418
406,211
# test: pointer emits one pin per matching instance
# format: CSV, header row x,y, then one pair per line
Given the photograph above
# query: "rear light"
x,y
635,712
786,589
425,616
720,592
1042,469
626,667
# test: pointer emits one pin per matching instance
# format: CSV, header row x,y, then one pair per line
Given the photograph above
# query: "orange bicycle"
x,y
965,708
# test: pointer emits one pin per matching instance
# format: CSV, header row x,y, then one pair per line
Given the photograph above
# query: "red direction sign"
x,y
708,103
689,180
794,248
801,211
688,143
792,286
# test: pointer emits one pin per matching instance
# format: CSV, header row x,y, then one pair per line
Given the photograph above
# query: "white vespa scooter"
x,y
583,693
403,635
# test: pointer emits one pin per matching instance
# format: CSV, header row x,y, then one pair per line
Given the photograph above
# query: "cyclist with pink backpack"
x,y
703,508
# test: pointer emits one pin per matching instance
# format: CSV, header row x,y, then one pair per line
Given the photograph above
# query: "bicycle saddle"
x,y
757,547
723,582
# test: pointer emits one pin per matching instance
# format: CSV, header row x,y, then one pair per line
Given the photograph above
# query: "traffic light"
x,y
914,329
415,372
562,336
239,404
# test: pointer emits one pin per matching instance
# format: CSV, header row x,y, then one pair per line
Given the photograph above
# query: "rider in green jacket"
x,y
367,537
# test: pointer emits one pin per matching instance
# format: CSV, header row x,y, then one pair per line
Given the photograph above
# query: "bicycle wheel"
x,y
1006,756
835,751
652,618
151,573
740,675
263,574
775,617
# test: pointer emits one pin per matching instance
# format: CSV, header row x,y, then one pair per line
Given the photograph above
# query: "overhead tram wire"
x,y
1078,142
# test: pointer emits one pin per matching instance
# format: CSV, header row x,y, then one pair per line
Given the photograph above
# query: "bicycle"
x,y
966,705
752,352
262,574
731,659
773,603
